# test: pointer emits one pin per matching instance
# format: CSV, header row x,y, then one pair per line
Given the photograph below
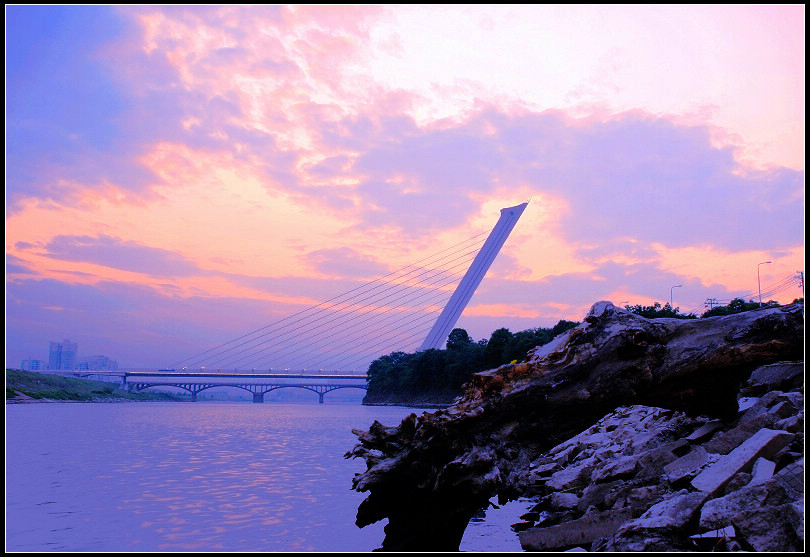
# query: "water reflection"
x,y
183,477
210,476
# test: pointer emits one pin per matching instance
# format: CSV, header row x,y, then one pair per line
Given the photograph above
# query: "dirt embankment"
x,y
25,387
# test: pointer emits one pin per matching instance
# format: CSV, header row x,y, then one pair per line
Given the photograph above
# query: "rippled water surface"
x,y
207,476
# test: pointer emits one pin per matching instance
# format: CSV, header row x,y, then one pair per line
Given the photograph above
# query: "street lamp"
x,y
670,295
758,283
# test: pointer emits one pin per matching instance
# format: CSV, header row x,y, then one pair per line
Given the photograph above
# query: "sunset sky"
x,y
177,176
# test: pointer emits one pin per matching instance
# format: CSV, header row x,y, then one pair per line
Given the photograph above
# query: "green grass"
x,y
56,387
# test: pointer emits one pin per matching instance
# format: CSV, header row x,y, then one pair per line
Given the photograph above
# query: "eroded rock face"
x,y
431,473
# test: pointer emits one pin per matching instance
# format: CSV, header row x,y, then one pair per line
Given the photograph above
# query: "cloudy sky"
x,y
178,176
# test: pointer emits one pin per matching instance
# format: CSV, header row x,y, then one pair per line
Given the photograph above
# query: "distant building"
x,y
62,355
33,365
97,363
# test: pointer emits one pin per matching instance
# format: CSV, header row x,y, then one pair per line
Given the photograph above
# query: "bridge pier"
x,y
190,384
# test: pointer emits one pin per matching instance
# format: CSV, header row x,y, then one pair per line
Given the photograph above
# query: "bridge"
x,y
258,384
348,331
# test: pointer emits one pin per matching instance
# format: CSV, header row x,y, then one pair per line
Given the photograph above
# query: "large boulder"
x,y
431,473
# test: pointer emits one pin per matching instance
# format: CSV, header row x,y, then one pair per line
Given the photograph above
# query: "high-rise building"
x,y
33,365
97,363
62,355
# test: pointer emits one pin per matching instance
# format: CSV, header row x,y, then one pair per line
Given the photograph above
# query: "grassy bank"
x,y
25,386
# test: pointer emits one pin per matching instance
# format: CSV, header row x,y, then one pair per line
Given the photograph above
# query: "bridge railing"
x,y
256,371
118,375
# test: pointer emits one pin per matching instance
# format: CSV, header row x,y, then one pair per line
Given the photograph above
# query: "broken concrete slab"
x,y
791,478
771,528
704,432
719,512
572,477
762,471
621,468
652,462
580,532
563,501
727,441
715,540
737,481
640,499
675,511
688,464
763,443
602,496
793,424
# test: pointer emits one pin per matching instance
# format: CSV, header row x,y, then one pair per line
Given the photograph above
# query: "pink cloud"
x,y
256,151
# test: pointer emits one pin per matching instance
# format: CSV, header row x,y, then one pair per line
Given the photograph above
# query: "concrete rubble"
x,y
630,434
744,498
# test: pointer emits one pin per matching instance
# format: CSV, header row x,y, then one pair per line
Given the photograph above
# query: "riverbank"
x,y
427,405
628,434
26,387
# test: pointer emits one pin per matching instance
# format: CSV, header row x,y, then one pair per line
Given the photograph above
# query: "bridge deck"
x,y
243,375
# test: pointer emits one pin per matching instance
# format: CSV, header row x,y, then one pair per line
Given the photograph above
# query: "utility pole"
x,y
671,303
759,284
711,302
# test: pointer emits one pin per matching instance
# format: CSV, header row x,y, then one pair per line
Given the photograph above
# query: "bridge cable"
x,y
309,339
397,322
333,300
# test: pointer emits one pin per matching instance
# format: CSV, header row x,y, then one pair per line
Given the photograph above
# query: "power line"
x,y
771,290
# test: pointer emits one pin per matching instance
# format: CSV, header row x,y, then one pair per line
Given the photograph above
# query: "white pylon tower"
x,y
466,288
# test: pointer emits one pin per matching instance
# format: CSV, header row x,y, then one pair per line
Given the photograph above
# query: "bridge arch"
x,y
258,390
320,390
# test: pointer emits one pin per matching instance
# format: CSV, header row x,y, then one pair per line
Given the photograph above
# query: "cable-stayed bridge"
x,y
330,345
413,307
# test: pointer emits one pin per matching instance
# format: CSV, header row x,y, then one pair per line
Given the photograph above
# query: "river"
x,y
205,476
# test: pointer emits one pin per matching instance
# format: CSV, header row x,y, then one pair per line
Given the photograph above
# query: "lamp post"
x,y
670,295
758,283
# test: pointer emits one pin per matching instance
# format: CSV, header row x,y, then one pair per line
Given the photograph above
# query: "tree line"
x,y
737,305
436,375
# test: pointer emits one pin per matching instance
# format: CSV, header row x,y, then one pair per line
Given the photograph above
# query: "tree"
x,y
385,374
439,374
523,341
562,326
458,339
496,347
737,305
656,311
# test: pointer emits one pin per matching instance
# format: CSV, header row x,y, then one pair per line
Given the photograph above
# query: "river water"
x,y
205,476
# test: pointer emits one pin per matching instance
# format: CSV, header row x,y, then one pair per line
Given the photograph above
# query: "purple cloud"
x,y
634,176
124,255
343,262
135,324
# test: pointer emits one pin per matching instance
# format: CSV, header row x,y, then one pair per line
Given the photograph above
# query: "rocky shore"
x,y
631,434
